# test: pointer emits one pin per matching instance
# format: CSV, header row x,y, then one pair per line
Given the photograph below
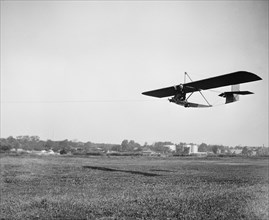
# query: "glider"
x,y
178,92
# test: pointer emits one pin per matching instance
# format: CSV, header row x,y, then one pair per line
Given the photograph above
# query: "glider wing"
x,y
219,81
160,93
209,83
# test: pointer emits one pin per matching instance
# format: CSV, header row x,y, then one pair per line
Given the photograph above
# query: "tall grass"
x,y
52,187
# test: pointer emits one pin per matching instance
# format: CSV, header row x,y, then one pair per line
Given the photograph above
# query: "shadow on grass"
x,y
158,170
125,171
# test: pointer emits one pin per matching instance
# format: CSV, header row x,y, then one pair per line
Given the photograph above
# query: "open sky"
x,y
76,70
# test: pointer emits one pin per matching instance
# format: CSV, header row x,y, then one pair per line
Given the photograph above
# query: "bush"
x,y
5,148
227,155
125,154
94,153
63,151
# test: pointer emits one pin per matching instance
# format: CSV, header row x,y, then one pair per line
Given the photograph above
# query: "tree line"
x,y
34,143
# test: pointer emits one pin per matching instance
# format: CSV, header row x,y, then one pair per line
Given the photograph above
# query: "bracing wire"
x,y
198,90
93,101
78,101
211,90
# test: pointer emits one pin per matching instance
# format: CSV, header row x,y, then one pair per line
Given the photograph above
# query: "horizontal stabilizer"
x,y
233,96
225,94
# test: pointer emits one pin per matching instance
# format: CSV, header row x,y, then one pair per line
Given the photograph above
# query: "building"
x,y
236,151
193,148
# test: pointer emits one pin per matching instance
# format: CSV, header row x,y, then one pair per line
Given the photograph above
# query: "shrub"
x,y
63,151
5,148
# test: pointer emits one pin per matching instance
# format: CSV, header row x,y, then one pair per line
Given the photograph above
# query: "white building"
x,y
193,148
236,151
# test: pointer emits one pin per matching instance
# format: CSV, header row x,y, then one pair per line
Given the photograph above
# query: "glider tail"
x,y
233,96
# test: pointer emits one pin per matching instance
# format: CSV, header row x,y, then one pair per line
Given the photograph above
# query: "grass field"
x,y
55,187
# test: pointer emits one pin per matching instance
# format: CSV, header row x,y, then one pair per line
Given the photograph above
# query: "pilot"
x,y
181,94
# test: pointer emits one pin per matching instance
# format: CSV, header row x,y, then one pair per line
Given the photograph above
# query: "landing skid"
x,y
187,104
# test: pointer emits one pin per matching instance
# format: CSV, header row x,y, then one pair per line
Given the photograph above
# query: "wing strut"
x,y
198,89
189,96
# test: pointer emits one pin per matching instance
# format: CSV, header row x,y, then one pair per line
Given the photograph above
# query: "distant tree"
x,y
116,147
88,144
133,146
186,151
16,145
209,148
34,138
203,147
3,141
130,145
12,142
24,138
238,147
124,145
64,145
180,148
48,145
215,149
245,151
5,148
27,143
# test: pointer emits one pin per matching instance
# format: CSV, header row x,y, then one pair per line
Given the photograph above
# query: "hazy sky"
x,y
76,70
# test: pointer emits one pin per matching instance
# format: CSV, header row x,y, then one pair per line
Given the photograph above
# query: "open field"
x,y
62,187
